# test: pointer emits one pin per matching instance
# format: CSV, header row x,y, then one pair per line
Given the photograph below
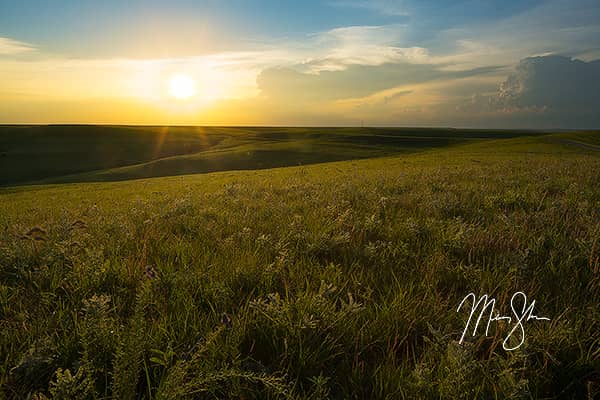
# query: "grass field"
x,y
338,280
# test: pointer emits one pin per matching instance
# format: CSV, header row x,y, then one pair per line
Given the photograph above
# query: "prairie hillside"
x,y
75,153
336,280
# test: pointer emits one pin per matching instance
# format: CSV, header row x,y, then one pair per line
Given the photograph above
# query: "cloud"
x,y
542,92
10,46
463,34
555,82
353,82
550,27
362,45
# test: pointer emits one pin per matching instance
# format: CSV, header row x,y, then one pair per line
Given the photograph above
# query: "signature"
x,y
520,315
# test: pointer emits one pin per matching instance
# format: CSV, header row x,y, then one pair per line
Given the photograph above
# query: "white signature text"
x,y
485,307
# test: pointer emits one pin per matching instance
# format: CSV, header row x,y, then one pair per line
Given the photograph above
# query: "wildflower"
x,y
150,272
97,306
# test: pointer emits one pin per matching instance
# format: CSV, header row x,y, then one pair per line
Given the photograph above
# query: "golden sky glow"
x,y
289,64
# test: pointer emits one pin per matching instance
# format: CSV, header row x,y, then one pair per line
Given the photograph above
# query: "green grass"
x,y
58,154
336,280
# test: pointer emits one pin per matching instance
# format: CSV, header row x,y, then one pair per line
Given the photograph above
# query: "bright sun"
x,y
182,87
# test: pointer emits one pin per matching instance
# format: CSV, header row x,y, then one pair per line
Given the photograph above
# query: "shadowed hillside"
x,y
75,153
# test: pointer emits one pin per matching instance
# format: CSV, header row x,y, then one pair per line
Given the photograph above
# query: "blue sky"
x,y
443,62
93,27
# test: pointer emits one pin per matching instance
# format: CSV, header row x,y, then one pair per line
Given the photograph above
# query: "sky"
x,y
474,63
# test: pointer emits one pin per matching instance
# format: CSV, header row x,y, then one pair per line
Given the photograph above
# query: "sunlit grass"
x,y
338,280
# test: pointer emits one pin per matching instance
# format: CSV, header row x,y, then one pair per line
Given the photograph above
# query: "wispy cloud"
x,y
10,46
336,49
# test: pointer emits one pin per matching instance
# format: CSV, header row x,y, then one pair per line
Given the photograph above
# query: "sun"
x,y
182,87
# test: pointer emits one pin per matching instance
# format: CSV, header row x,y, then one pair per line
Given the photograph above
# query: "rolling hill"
x,y
47,154
334,280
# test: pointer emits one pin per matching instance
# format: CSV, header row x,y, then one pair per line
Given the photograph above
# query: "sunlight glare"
x,y
182,87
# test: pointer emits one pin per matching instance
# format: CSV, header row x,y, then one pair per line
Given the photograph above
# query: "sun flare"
x,y
182,87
